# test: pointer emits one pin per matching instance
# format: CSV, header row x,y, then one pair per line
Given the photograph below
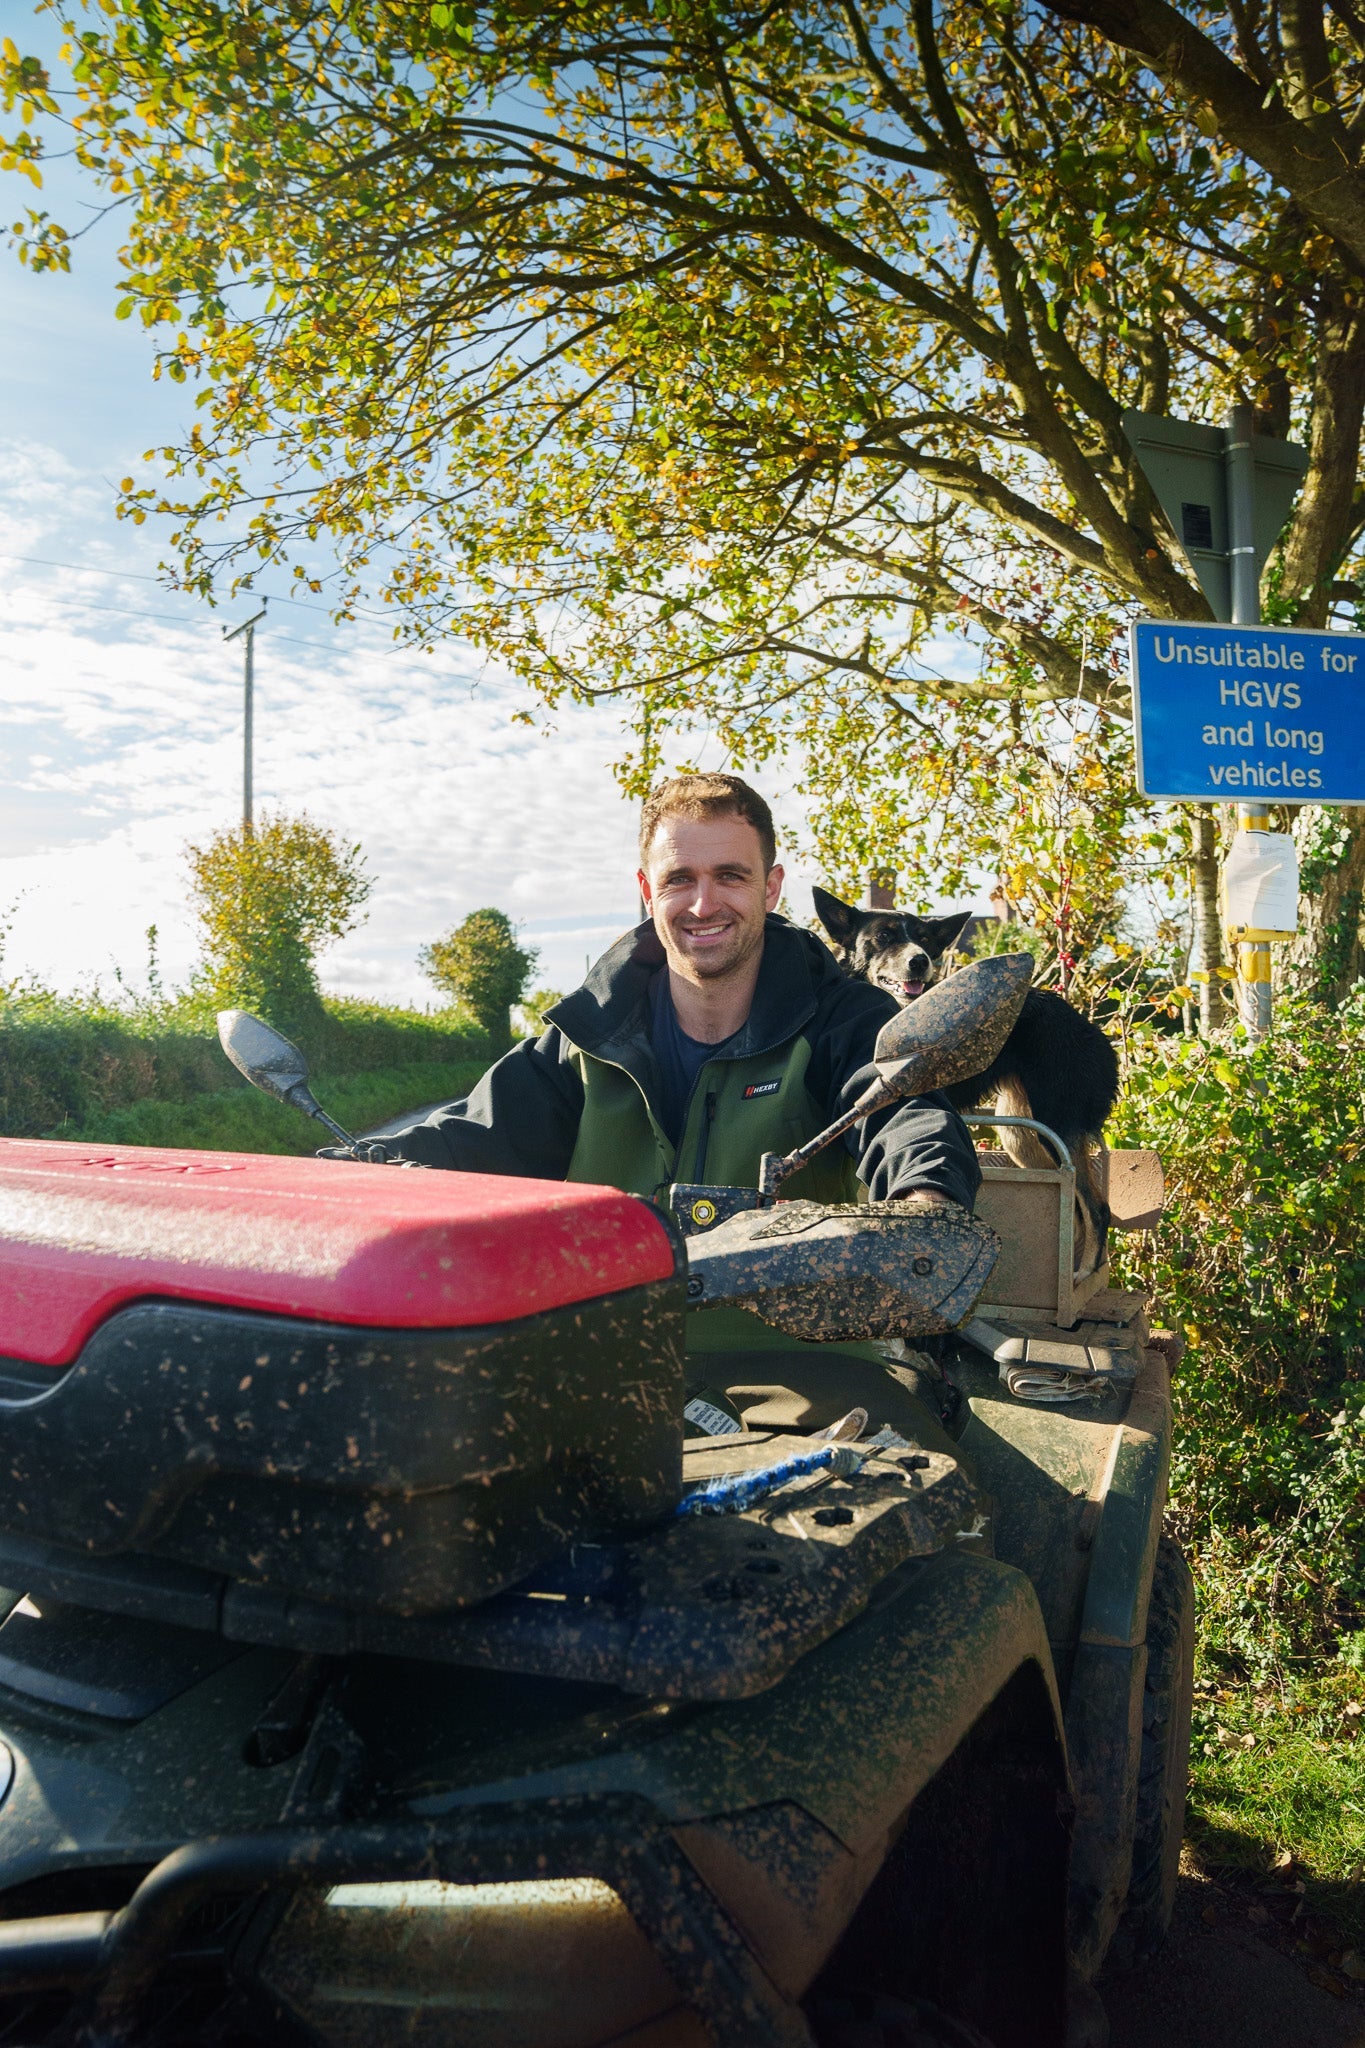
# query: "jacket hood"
x,y
609,1014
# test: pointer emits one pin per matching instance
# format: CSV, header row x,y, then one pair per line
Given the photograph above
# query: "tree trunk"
x,y
1327,955
1207,951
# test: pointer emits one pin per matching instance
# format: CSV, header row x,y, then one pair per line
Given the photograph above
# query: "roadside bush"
x,y
62,1061
359,1036
479,964
1261,1257
268,898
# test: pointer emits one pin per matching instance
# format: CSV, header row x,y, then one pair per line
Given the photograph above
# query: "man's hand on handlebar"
x,y
368,1152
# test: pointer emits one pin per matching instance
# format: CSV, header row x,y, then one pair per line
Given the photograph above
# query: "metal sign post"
x,y
1253,955
1227,492
248,626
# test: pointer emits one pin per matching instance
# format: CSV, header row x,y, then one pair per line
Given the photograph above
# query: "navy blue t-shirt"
x,y
680,1058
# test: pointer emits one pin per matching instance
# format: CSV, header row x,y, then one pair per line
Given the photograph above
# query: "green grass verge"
x,y
242,1120
1276,1769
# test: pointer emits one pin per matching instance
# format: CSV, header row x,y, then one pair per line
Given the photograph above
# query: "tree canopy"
x,y
1281,84
763,367
268,898
479,964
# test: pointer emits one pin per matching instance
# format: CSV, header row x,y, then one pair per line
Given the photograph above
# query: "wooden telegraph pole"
x,y
247,627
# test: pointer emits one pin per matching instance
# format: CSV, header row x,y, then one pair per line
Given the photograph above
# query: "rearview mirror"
x,y
264,1056
951,1034
274,1064
956,1028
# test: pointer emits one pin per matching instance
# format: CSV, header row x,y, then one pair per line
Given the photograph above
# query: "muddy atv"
x,y
489,1613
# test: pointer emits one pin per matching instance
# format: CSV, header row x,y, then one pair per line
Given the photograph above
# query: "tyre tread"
x,y
1164,1761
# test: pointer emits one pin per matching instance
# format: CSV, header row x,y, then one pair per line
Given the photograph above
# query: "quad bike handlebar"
x,y
824,1272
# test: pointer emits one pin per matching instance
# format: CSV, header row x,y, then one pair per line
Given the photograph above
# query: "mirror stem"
x,y
776,1167
302,1097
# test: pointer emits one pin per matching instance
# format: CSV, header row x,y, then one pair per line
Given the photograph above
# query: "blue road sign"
x,y
1266,714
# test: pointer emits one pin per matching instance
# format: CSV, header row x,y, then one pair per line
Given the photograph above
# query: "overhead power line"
x,y
131,576
90,604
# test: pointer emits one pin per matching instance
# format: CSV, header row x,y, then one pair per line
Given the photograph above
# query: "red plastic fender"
x,y
86,1229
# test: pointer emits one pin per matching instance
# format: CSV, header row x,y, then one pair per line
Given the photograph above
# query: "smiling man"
x,y
714,1032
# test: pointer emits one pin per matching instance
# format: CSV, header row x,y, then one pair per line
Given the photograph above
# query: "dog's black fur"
x,y
1055,1066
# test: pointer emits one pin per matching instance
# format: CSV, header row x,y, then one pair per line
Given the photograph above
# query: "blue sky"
x,y
120,706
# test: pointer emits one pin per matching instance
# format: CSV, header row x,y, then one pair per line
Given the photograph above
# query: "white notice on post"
x,y
1261,883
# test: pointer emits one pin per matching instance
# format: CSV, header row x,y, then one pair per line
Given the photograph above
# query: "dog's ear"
x,y
937,934
839,919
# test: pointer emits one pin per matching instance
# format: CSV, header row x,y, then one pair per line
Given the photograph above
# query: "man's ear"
x,y
937,934
839,919
646,893
772,888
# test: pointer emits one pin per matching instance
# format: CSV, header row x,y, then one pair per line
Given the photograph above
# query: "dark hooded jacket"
x,y
581,1101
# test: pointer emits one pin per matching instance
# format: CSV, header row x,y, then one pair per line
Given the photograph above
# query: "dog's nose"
x,y
915,972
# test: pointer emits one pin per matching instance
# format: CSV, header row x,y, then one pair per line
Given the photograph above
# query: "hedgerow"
x,y
66,1063
242,1120
1261,1257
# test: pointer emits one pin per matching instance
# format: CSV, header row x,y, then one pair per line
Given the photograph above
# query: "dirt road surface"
x,y
1217,1983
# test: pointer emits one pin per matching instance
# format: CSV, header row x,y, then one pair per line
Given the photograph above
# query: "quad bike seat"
x,y
394,1391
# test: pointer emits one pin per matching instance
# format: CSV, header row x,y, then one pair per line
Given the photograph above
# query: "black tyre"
x,y
866,2020
1163,1768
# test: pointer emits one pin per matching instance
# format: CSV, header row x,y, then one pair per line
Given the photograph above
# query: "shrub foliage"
x,y
1261,1256
68,1064
481,965
268,900
244,1120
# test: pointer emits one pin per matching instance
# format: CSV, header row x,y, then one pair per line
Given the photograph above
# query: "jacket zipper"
x,y
703,1138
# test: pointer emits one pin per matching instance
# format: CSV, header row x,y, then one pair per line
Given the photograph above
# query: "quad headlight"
x,y
552,1963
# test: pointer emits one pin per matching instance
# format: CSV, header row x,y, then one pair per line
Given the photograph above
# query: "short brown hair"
x,y
707,796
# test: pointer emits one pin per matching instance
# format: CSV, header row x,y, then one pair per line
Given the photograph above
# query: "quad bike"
x,y
488,1613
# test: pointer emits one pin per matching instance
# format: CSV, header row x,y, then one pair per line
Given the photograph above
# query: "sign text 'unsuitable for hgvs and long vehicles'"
x,y
1264,714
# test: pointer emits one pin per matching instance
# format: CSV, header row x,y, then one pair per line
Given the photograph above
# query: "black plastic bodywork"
x,y
741,1836
399,1471
811,1747
701,1609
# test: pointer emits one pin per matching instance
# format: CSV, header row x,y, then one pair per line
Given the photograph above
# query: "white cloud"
x,y
120,741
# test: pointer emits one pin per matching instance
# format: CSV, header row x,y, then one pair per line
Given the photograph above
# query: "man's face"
x,y
704,884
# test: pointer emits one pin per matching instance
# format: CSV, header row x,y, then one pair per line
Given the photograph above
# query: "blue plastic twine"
x,y
732,1492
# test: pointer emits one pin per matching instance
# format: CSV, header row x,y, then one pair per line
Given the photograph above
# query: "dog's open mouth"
x,y
911,989
903,991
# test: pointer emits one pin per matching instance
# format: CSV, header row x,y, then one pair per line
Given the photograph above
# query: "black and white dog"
x,y
1055,1066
